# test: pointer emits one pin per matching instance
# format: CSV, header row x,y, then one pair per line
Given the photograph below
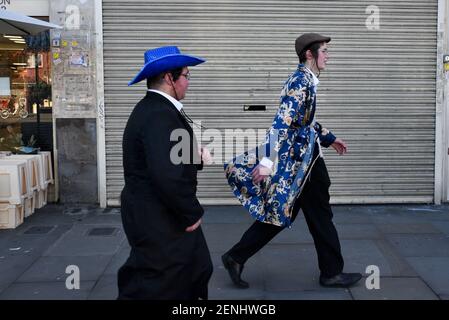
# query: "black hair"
x,y
157,80
313,49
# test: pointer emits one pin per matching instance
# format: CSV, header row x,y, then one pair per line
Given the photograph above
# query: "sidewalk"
x,y
409,244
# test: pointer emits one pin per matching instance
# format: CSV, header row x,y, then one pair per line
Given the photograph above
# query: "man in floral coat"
x,y
291,174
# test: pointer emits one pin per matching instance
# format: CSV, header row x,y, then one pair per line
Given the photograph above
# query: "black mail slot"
x,y
254,107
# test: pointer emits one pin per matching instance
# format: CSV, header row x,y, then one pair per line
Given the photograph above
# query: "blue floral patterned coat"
x,y
289,144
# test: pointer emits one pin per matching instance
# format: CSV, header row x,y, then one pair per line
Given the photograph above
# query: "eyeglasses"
x,y
186,75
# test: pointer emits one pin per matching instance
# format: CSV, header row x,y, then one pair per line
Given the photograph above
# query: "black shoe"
x,y
235,270
342,280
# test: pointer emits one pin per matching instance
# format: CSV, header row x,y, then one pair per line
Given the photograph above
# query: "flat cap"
x,y
307,39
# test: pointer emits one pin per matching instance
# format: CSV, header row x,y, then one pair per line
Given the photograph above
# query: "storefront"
x,y
53,105
379,92
25,87
26,84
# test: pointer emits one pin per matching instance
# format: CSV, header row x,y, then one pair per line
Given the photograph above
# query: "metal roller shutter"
x,y
378,92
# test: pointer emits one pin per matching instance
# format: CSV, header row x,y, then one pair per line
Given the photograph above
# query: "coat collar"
x,y
302,67
152,94
178,105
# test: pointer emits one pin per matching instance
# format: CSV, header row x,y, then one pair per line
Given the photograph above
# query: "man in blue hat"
x,y
161,215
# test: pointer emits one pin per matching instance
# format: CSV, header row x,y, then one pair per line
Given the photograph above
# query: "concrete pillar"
x,y
74,100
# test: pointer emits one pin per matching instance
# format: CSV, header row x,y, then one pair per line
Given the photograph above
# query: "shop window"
x,y
25,94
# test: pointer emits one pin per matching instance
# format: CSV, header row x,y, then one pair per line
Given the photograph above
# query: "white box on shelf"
x,y
41,199
48,167
43,184
13,181
11,215
28,207
33,164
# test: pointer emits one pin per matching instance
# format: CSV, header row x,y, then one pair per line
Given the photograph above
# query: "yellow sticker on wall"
x,y
56,55
64,43
74,43
446,62
446,66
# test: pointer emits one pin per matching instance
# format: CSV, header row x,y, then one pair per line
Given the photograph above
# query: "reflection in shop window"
x,y
25,93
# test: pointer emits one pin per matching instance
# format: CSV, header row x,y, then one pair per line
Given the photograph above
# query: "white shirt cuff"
x,y
266,163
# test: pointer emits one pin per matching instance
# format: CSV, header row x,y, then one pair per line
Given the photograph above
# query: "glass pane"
x,y
25,94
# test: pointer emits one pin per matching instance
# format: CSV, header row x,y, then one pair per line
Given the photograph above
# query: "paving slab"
x,y
5,235
398,264
298,233
421,245
441,210
56,218
434,271
324,294
391,218
221,286
359,254
46,291
357,231
351,217
413,228
77,210
105,289
12,266
221,237
57,214
395,289
21,242
77,242
118,260
442,226
53,268
226,214
290,267
111,218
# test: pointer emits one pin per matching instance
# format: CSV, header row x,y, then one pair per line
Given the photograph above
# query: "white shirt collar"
x,y
316,81
178,105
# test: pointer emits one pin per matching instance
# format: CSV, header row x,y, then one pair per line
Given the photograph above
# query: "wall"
x,y
77,160
74,98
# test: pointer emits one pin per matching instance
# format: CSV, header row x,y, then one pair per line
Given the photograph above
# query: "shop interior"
x,y
25,93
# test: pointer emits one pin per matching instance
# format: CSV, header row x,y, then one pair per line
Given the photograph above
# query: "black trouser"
x,y
314,202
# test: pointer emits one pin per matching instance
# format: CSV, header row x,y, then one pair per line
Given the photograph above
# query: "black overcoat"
x,y
158,203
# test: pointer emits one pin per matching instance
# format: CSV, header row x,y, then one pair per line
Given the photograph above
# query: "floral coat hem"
x,y
272,200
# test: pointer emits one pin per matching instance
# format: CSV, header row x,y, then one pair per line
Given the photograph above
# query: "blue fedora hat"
x,y
164,59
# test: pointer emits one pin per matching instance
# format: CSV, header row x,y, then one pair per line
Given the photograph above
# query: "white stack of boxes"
x,y
13,192
24,183
46,177
33,180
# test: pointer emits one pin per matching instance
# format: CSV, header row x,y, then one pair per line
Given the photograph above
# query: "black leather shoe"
x,y
235,270
342,280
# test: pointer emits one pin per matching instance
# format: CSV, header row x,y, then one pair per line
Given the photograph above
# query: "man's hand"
x,y
206,156
193,227
260,173
339,146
